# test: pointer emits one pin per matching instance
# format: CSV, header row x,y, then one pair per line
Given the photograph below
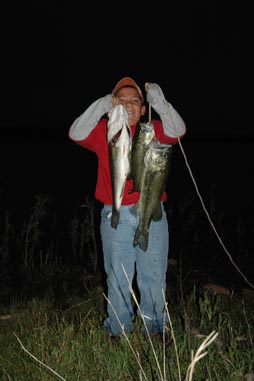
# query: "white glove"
x,y
154,94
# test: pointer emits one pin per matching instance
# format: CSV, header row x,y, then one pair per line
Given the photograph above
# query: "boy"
x,y
89,130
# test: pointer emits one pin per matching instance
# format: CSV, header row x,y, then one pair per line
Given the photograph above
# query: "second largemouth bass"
x,y
157,163
143,137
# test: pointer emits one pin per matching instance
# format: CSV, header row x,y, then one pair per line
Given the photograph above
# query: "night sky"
x,y
57,59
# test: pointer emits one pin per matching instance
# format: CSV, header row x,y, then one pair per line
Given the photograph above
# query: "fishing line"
x,y
149,113
203,205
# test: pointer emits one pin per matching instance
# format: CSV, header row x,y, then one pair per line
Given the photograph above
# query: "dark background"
x,y
57,59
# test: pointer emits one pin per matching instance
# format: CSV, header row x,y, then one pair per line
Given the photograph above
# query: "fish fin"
x,y
115,218
122,190
141,238
135,209
157,215
116,136
135,188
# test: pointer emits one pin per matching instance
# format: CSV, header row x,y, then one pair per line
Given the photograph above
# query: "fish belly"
x,y
143,136
120,168
149,208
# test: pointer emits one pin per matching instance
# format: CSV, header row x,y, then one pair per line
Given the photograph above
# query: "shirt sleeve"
x,y
173,124
86,122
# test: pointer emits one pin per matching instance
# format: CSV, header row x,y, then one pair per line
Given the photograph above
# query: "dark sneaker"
x,y
158,337
114,339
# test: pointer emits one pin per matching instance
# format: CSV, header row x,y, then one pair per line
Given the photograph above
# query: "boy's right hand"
x,y
115,101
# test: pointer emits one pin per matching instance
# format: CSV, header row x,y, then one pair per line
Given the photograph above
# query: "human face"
x,y
130,99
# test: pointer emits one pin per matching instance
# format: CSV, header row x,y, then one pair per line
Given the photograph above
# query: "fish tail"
x,y
141,238
115,218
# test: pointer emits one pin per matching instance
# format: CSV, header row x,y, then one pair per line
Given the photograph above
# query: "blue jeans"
x,y
150,266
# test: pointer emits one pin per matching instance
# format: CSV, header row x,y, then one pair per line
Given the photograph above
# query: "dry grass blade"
x,y
144,322
31,355
199,355
127,339
173,337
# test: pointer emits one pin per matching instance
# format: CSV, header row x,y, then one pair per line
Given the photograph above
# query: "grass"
x,y
52,307
39,340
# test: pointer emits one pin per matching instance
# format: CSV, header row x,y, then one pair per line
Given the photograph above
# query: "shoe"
x,y
114,339
158,337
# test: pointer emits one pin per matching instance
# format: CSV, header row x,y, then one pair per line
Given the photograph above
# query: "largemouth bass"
x,y
157,163
143,137
119,142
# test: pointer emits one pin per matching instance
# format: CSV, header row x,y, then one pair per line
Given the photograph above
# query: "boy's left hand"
x,y
154,93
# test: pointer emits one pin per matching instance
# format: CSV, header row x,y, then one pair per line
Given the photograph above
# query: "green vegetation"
x,y
52,305
72,343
